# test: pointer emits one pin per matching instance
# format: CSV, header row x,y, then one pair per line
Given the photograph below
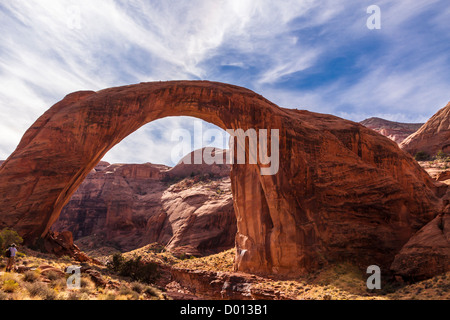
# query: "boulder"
x,y
427,253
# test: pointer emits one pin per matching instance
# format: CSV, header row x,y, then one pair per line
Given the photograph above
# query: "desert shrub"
x,y
30,276
10,236
87,285
127,292
40,289
157,248
53,275
422,156
441,155
116,263
184,256
134,268
59,284
151,291
138,287
138,270
10,285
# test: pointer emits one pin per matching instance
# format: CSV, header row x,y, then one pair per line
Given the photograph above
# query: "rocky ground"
x,y
438,169
42,277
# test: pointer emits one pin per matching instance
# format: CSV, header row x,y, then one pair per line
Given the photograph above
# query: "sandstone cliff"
x,y
188,207
432,137
395,131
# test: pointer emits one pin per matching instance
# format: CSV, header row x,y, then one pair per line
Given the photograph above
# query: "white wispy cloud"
x,y
50,48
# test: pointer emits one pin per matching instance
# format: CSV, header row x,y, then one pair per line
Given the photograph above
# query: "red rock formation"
x,y
432,137
443,176
395,131
427,253
61,243
342,192
131,205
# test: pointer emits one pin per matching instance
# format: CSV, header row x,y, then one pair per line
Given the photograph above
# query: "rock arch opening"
x,y
341,192
160,196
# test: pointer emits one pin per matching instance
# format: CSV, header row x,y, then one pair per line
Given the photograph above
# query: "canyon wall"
x,y
188,207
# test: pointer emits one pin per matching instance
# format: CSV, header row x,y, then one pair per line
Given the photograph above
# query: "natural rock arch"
x,y
342,190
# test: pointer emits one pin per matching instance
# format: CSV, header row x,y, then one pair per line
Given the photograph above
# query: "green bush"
x,y
134,268
138,270
116,263
8,237
422,156
441,155
10,285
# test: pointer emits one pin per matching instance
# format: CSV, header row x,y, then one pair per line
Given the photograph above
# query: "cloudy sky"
x,y
317,55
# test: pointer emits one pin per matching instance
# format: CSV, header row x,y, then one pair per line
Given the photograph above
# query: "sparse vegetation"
x,y
341,281
128,276
134,268
31,276
10,285
41,290
43,284
8,236
442,156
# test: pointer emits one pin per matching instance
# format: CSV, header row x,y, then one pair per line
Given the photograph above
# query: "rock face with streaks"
x,y
432,137
395,131
189,206
341,191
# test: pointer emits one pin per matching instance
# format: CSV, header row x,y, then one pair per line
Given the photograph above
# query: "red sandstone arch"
x,y
342,191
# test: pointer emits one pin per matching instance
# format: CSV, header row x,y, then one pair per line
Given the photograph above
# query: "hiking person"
x,y
11,255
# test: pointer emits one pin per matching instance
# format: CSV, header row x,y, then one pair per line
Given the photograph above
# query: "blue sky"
x,y
316,55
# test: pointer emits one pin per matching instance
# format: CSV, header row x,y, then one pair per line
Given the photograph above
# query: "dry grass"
x,y
341,281
153,253
436,288
336,282
223,261
51,285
